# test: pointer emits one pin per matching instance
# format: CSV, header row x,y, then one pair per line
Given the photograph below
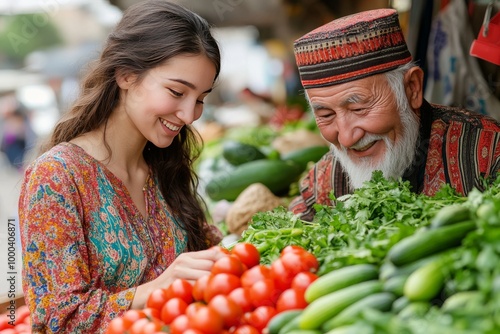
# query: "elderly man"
x,y
367,98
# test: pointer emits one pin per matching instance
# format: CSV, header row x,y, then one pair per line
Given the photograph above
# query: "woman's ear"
x,y
124,79
413,81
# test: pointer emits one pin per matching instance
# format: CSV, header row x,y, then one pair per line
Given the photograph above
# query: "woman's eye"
x,y
175,93
200,101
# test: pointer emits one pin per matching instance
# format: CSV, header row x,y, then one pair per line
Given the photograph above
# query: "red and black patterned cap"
x,y
351,48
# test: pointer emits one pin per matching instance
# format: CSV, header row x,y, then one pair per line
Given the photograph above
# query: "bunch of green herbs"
x,y
359,228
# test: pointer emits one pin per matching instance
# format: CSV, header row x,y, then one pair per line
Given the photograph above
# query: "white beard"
x,y
397,158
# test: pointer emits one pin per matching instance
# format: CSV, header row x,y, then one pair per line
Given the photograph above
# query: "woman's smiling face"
x,y
167,97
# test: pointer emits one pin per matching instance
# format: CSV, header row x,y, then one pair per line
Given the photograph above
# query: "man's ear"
x,y
413,81
124,79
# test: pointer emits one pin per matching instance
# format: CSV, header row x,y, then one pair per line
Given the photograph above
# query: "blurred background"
x,y
45,46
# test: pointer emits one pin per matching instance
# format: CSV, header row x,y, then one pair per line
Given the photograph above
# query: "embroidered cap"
x,y
351,48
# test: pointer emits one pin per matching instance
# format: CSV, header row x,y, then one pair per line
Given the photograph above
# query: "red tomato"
x,y
138,326
179,325
282,276
117,326
206,320
157,299
302,280
229,310
132,316
180,288
4,321
221,284
241,296
21,328
291,299
22,313
172,309
260,317
9,331
221,249
296,263
228,264
193,308
254,274
199,287
152,313
192,331
152,327
264,293
292,249
246,329
247,253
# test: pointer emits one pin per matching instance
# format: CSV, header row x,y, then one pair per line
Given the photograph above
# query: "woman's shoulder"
x,y
65,156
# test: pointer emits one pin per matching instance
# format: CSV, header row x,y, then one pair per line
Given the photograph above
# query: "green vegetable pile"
x,y
359,229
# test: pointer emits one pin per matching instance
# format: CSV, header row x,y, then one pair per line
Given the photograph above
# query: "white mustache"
x,y
367,139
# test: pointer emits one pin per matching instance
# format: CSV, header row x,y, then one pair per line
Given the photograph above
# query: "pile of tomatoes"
x,y
239,296
19,325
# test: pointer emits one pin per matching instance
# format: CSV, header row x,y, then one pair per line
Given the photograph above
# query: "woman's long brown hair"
x,y
149,34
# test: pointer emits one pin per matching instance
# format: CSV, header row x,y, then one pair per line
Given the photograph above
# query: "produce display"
x,y
391,261
241,295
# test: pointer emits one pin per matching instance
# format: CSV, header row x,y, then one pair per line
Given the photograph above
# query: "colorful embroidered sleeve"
x,y
57,281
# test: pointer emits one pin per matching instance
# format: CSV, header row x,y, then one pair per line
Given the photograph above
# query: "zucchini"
x,y
381,301
426,282
451,214
281,319
420,245
339,279
238,153
277,175
304,155
304,331
328,306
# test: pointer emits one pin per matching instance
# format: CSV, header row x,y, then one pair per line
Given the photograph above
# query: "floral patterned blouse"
x,y
85,244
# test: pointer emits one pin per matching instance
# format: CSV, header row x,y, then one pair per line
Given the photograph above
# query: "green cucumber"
x,y
281,319
450,214
399,304
423,244
414,310
291,325
427,281
304,155
396,285
463,301
381,301
238,153
406,269
277,175
339,279
328,306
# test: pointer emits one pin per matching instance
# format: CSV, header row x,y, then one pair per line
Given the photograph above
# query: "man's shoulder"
x,y
456,115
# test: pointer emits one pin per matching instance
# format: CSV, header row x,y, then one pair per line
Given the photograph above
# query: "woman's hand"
x,y
189,266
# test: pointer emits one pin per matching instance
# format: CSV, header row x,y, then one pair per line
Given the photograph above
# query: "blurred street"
x,y
10,183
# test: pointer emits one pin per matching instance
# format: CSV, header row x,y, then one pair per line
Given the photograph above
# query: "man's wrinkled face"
x,y
368,131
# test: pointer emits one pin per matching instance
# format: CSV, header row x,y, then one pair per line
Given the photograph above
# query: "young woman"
x,y
109,212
